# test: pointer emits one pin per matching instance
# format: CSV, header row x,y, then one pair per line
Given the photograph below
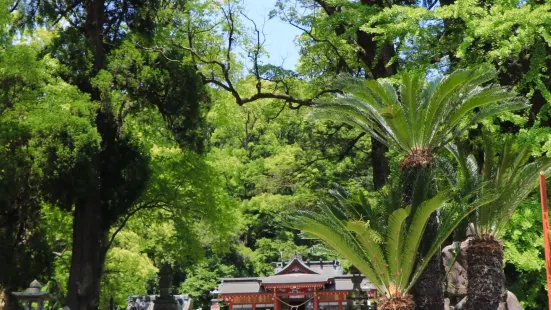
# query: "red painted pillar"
x,y
254,306
316,301
276,301
339,301
230,306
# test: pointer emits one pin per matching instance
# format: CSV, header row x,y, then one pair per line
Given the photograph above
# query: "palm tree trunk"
x,y
485,274
396,303
428,293
380,163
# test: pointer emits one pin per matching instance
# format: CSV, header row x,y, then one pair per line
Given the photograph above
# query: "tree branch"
x,y
151,205
342,60
14,6
351,146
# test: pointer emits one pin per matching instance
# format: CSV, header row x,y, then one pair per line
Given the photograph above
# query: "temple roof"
x,y
296,273
240,287
297,265
295,278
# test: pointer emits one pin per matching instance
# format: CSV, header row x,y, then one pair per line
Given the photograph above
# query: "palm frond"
x,y
394,246
417,115
386,254
509,175
415,233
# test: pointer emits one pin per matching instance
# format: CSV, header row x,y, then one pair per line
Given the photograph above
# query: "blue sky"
x,y
280,36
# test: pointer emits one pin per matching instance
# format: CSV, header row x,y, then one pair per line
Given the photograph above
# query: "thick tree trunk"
x,y
396,303
7,301
90,230
485,274
427,292
88,256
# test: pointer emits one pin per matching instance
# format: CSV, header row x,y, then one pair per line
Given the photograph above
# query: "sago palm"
x,y
508,172
385,252
420,118
416,116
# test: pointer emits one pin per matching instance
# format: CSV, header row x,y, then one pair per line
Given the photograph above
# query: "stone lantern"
x,y
33,294
165,301
214,294
357,298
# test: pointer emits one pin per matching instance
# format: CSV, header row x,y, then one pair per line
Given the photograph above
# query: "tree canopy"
x,y
135,134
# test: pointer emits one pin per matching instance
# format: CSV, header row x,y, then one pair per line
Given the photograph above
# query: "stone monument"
x,y
165,301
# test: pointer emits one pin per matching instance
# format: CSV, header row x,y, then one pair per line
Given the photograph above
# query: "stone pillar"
x,y
165,300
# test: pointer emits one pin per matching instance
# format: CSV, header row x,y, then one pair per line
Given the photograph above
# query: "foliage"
x,y
507,172
387,254
143,108
445,107
524,261
127,271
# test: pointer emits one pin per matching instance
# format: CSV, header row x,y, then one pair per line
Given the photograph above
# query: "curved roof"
x,y
297,273
294,278
295,265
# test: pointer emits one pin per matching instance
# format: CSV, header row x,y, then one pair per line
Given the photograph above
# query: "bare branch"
x,y
256,54
223,77
63,13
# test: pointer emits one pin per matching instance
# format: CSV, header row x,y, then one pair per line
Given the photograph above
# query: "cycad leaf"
x,y
415,233
394,240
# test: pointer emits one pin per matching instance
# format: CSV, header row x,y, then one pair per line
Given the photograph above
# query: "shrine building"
x,y
296,285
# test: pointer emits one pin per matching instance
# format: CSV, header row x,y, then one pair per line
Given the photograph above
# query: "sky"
x,y
280,36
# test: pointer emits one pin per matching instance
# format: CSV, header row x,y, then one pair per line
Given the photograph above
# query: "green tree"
x,y
508,171
34,102
387,253
419,120
524,261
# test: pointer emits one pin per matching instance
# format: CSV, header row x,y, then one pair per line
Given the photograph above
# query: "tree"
x,y
34,102
387,253
508,171
420,119
524,262
113,175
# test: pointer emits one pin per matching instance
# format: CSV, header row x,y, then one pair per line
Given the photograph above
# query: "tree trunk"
x,y
7,301
485,274
380,164
396,303
88,256
375,66
427,292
